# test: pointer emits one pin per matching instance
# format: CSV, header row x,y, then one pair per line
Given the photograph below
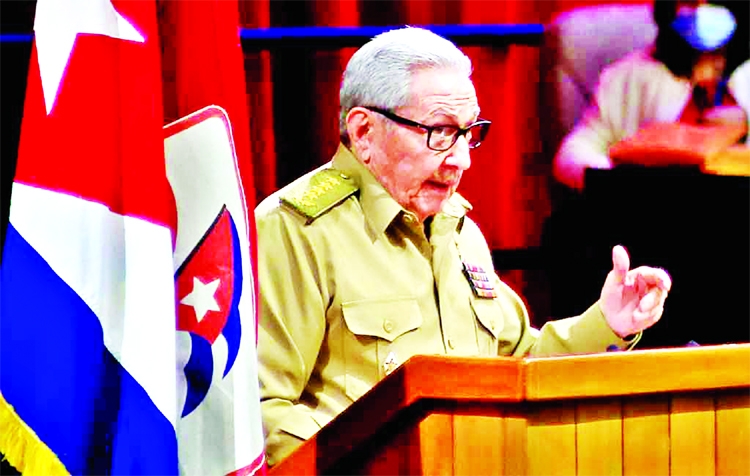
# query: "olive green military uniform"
x,y
351,286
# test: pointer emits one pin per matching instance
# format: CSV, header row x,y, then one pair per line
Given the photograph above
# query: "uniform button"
x,y
450,344
492,325
388,326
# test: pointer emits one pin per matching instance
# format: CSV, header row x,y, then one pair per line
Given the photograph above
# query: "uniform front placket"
x,y
456,317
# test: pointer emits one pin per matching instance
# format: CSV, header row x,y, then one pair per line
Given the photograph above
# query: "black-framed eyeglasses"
x,y
442,137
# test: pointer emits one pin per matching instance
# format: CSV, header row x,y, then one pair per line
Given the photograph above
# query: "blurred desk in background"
x,y
693,224
733,161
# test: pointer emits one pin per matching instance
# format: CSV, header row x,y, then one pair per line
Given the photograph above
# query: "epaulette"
x,y
325,190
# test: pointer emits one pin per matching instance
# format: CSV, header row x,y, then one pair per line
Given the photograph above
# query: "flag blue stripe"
x,y
198,372
65,384
233,329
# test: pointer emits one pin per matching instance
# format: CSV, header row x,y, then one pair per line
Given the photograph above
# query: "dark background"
x,y
16,16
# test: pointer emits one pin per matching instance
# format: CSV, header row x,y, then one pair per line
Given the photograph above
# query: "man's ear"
x,y
359,126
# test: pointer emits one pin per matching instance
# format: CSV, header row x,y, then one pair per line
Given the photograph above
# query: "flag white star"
x,y
202,297
56,25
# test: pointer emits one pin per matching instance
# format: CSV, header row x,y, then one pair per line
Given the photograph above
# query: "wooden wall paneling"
x,y
551,439
392,457
478,443
673,421
599,437
515,443
423,448
436,443
645,436
692,435
733,433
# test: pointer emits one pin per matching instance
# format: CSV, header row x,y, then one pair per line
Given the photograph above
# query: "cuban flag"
x,y
220,429
103,370
87,346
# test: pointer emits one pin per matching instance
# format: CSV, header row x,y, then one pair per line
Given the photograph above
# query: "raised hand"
x,y
633,300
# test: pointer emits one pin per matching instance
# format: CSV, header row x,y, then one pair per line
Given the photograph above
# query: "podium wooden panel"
x,y
666,411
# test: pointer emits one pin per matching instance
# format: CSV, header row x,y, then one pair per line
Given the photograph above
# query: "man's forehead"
x,y
471,108
461,107
444,92
438,77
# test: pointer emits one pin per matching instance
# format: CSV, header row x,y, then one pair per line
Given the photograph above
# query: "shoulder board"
x,y
325,190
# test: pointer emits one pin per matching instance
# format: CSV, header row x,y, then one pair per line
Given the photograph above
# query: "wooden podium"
x,y
666,411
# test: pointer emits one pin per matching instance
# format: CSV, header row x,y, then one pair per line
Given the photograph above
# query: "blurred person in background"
x,y
697,72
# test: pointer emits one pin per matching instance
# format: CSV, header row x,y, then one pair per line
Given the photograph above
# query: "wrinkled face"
x,y
418,178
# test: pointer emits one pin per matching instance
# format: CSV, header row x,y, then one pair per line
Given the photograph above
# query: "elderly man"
x,y
371,259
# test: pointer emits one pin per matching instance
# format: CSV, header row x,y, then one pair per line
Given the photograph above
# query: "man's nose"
x,y
459,155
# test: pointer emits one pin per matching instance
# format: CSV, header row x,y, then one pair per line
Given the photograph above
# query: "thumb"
x,y
620,262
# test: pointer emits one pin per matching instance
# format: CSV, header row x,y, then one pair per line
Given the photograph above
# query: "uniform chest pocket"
x,y
373,326
386,319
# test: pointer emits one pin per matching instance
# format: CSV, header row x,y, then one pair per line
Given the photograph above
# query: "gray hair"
x,y
379,74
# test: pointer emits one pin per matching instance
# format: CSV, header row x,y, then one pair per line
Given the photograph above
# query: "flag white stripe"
x,y
121,267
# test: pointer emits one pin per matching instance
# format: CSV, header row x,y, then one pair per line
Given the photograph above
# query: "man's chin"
x,y
432,206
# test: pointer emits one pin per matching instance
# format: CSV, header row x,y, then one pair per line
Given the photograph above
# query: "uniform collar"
x,y
380,209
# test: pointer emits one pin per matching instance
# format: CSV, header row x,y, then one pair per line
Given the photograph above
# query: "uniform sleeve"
x,y
584,334
291,330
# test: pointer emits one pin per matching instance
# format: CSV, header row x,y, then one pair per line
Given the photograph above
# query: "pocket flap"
x,y
300,424
386,319
489,314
